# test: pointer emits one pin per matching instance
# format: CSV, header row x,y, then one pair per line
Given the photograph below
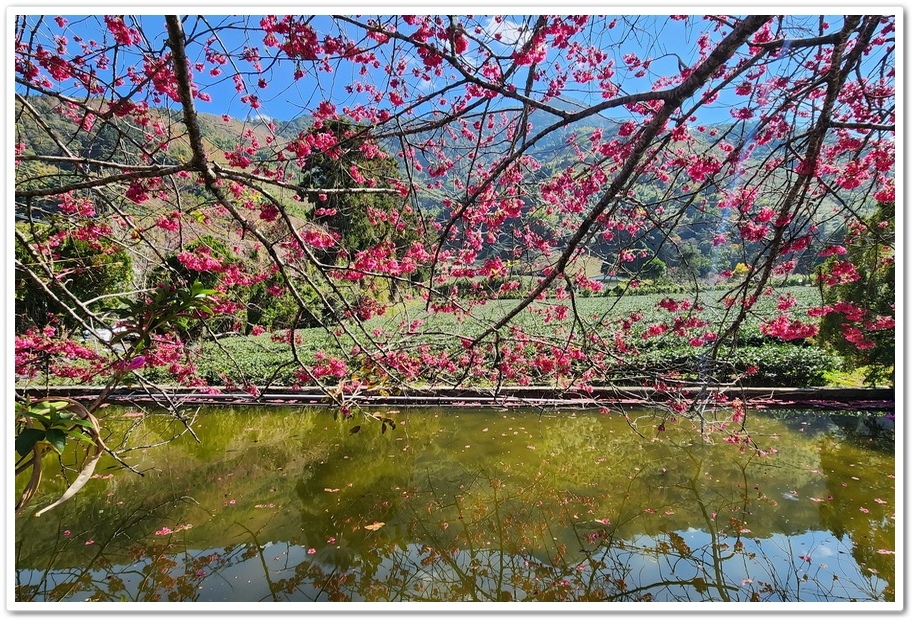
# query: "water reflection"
x,y
479,506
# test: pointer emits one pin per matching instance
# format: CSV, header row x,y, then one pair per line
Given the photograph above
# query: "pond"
x,y
451,504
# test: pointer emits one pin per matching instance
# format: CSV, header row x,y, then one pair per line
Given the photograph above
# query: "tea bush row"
x,y
241,361
767,365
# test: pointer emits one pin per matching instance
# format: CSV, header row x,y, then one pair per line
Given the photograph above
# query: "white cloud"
x,y
511,34
259,116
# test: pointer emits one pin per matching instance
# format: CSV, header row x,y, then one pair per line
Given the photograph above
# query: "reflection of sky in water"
x,y
832,573
770,567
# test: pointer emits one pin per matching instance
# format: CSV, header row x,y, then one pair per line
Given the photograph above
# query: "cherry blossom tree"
x,y
485,158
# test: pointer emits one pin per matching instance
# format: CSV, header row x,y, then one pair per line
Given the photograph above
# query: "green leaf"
x,y
82,437
57,438
38,410
41,409
27,439
355,429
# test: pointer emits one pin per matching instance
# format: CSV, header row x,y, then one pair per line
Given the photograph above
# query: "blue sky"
x,y
285,98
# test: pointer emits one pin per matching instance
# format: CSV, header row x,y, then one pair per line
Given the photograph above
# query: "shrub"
x,y
248,362
774,364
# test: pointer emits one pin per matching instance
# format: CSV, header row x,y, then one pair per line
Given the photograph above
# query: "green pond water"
x,y
288,504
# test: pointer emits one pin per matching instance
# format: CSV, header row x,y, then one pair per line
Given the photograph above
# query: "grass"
x,y
846,378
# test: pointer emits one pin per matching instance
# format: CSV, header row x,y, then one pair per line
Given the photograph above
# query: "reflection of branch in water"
x,y
264,567
552,531
82,579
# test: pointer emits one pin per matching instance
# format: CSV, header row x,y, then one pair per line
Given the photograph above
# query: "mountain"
x,y
122,140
